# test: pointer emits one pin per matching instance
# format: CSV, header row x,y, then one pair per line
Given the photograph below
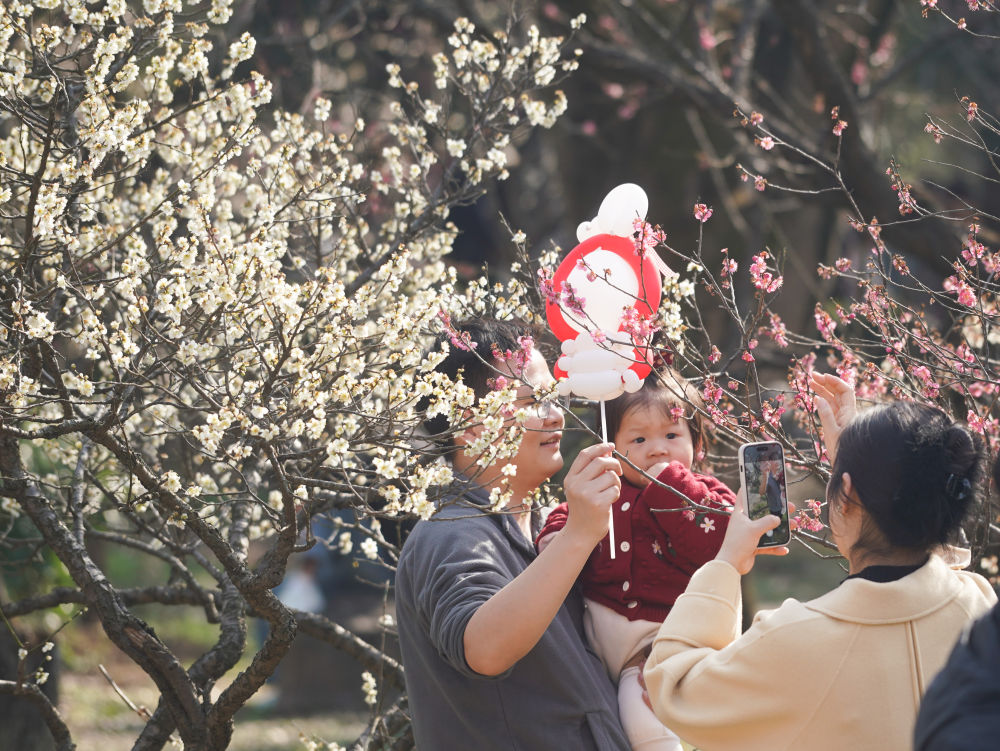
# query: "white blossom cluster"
x,y
210,303
369,688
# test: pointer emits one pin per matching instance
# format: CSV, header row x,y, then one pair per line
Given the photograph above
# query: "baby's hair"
x,y
666,389
916,472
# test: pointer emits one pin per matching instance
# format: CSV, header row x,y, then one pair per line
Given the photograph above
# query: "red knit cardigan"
x,y
661,541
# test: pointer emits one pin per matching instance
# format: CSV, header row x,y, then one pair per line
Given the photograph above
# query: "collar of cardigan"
x,y
929,588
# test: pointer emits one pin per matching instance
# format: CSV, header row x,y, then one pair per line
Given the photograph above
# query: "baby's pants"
x,y
645,732
616,639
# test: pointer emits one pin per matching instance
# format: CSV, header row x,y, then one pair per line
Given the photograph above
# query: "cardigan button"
x,y
626,506
632,604
625,586
625,546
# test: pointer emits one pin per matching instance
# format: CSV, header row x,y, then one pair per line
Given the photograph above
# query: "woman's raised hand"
x,y
836,406
739,547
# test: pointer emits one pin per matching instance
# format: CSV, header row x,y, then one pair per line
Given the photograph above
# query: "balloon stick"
x,y
611,515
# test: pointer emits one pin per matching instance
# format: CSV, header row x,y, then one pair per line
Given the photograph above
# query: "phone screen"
x,y
764,484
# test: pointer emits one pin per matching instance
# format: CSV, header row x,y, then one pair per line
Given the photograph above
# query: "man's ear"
x,y
470,434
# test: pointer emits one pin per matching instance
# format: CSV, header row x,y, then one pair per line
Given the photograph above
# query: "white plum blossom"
x,y
370,548
369,688
221,313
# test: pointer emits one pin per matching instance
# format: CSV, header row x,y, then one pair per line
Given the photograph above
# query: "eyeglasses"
x,y
549,406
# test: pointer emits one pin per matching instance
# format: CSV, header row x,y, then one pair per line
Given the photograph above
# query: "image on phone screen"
x,y
764,482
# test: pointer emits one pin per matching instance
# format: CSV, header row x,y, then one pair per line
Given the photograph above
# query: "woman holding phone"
x,y
847,669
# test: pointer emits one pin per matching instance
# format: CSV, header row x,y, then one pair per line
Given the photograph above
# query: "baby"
x,y
661,541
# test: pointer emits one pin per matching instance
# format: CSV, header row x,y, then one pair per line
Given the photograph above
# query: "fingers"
x,y
740,507
765,524
835,390
831,382
605,484
783,550
594,461
823,407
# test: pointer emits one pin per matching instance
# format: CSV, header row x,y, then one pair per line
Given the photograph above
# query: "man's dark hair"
x,y
472,344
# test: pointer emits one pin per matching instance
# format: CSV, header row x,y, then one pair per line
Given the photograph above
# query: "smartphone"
x,y
762,476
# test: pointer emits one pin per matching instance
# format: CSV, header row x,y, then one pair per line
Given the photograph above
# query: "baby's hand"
x,y
656,469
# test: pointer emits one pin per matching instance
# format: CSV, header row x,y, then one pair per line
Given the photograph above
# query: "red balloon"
x,y
623,279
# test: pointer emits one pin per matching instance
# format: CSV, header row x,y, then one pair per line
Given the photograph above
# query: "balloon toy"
x,y
602,288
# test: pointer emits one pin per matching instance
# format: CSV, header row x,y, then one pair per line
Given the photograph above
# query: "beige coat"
x,y
845,671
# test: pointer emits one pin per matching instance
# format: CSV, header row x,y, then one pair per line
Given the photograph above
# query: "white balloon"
x,y
597,386
632,382
619,209
597,371
587,229
603,299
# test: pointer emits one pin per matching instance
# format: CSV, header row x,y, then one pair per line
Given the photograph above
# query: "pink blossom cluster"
x,y
928,386
702,212
980,388
706,39
966,295
838,124
711,391
570,300
906,202
974,251
637,325
825,323
646,237
808,518
775,329
772,412
546,287
582,265
729,266
761,277
759,182
516,359
962,358
983,425
460,340
846,367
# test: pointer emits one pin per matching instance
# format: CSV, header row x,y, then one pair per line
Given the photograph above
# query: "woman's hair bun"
x,y
959,448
